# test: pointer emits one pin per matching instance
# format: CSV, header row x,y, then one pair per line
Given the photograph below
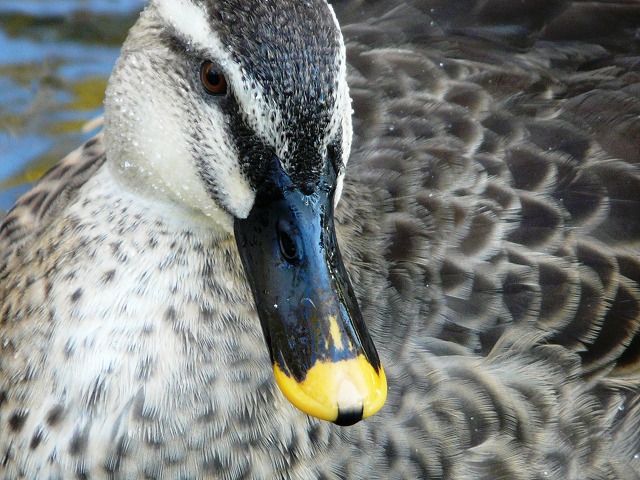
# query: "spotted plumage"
x,y
488,220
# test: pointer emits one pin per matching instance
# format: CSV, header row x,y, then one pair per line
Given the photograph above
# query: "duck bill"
x,y
324,360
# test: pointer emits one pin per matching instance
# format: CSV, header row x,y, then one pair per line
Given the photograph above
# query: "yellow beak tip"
x,y
343,392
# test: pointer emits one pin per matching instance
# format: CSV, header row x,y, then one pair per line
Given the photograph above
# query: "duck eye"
x,y
212,79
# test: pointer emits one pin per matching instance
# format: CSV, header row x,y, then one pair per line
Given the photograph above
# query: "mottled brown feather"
x,y
490,223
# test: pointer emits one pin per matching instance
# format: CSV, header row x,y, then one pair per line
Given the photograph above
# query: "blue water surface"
x,y
44,8
55,57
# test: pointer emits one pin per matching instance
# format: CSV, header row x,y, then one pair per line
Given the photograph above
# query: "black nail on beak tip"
x,y
347,418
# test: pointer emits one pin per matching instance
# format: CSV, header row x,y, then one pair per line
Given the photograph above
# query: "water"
x,y
55,57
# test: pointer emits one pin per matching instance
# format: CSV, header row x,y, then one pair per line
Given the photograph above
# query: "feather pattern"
x,y
489,222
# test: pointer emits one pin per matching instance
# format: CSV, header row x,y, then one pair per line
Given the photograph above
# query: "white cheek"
x,y
170,159
347,127
338,194
155,155
341,120
347,134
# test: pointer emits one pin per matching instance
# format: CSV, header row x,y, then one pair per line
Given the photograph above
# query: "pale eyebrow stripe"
x,y
188,20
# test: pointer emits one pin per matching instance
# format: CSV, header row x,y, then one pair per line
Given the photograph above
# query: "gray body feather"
x,y
490,225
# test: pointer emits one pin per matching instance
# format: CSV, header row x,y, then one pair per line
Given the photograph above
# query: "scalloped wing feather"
x,y
510,187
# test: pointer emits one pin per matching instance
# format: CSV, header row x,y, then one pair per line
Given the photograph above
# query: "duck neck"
x,y
164,324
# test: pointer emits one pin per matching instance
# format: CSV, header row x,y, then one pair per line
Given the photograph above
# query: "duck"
x,y
389,239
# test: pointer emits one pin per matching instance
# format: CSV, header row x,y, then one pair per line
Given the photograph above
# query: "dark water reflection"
x,y
55,57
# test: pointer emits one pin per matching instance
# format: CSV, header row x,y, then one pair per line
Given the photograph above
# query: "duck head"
x,y
238,111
